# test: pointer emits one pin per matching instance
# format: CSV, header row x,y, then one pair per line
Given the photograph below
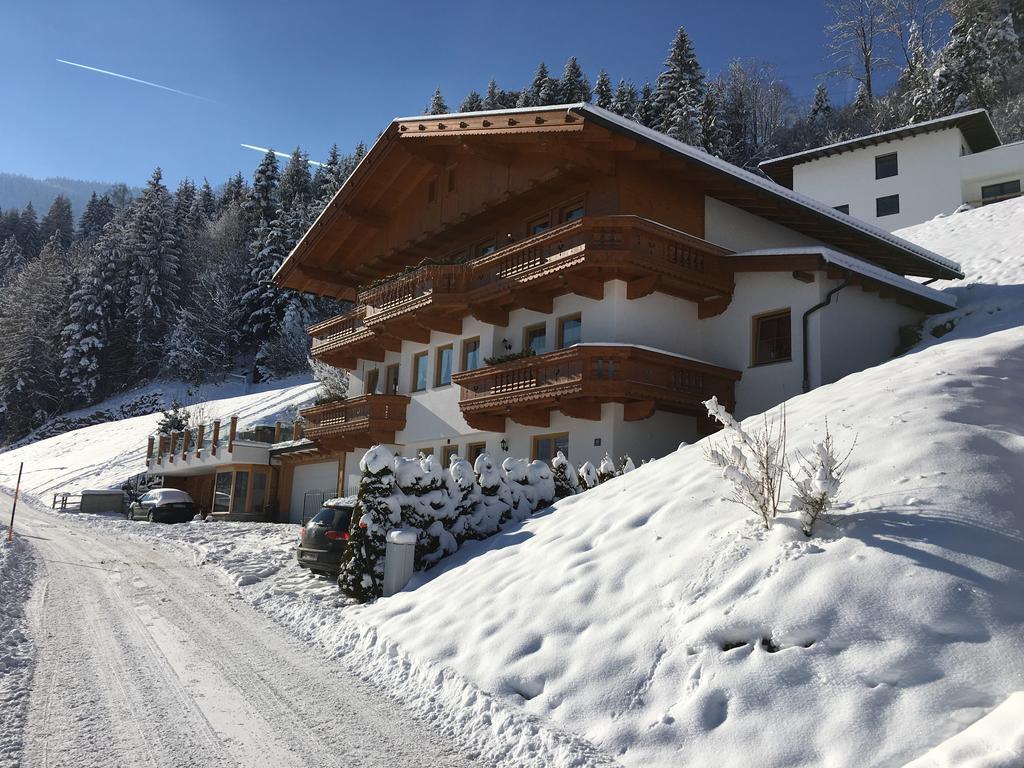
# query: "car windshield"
x,y
324,517
343,521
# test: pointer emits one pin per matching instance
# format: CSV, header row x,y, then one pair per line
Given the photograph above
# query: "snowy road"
x,y
145,661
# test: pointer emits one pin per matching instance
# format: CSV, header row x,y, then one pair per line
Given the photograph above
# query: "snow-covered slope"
x,y
16,652
104,455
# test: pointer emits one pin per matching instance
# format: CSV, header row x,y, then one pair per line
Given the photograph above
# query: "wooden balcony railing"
x,y
579,379
356,422
576,257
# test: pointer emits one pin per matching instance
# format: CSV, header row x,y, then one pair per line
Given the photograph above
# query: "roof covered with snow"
x,y
975,125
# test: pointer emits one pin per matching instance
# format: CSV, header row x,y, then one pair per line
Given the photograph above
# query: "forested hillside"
x,y
175,283
17,191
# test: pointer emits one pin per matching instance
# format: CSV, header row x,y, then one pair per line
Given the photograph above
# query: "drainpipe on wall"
x,y
807,316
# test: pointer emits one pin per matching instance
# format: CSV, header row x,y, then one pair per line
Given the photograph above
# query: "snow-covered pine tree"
x,y
679,92
29,237
917,80
491,98
261,202
573,85
472,103
626,464
426,505
466,500
516,476
496,497
58,221
361,573
603,95
207,201
12,258
154,271
437,104
294,190
566,480
625,100
588,476
646,112
821,108
99,212
235,191
713,130
606,471
333,381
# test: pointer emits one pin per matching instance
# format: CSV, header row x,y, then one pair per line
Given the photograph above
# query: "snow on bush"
x,y
566,480
606,471
497,496
361,573
626,464
466,497
753,464
816,479
333,381
588,476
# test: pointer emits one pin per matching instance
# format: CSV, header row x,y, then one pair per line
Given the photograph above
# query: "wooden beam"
x,y
713,306
452,325
641,286
638,410
531,417
367,218
485,422
414,332
491,315
589,289
580,409
215,438
802,276
538,301
232,430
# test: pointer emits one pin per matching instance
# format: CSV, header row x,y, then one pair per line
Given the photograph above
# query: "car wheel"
x,y
150,517
131,514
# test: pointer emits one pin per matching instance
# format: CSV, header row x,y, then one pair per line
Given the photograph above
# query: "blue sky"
x,y
315,73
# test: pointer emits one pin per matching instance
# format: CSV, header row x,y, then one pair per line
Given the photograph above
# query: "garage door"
x,y
312,479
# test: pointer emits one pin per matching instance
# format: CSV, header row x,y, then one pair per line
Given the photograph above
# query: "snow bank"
x,y
104,455
16,647
995,741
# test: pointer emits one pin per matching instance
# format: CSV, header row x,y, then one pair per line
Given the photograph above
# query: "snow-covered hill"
x,y
655,619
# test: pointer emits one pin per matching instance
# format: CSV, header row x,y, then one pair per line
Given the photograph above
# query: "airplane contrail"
x,y
135,80
285,155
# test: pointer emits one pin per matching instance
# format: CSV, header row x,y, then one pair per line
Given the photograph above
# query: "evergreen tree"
x,y
646,107
155,263
99,212
12,259
981,60
261,203
491,99
361,573
565,477
543,91
295,187
821,108
437,104
28,232
58,221
603,96
207,201
625,100
573,87
472,103
680,92
236,190
713,130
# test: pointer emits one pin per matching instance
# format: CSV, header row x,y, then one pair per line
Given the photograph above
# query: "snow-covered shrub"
x,y
626,464
588,476
496,497
174,419
816,479
753,464
517,478
333,381
466,501
426,505
361,573
606,471
565,479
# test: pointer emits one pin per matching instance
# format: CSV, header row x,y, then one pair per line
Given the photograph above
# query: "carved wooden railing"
x,y
340,331
603,373
356,417
418,288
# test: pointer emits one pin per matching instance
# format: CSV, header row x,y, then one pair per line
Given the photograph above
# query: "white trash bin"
x,y
398,559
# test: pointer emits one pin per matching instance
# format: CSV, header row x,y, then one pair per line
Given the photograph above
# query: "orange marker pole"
x,y
14,506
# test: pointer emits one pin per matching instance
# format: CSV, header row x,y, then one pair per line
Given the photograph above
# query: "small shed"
x,y
107,500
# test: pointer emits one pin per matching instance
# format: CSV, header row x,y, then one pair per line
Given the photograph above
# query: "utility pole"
x,y
14,506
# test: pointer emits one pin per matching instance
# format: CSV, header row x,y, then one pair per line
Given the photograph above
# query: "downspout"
x,y
807,316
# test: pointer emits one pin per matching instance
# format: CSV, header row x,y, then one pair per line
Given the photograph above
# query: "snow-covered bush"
x,y
626,464
333,381
565,479
174,419
466,501
816,479
426,505
496,497
361,573
606,470
588,476
753,464
541,484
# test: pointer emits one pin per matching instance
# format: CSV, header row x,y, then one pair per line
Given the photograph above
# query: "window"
x,y
485,248
546,446
473,451
241,493
572,211
419,371
886,166
844,208
887,206
539,225
372,379
391,379
772,338
569,331
443,366
447,452
471,354
992,193
432,191
535,338
259,491
427,451
222,492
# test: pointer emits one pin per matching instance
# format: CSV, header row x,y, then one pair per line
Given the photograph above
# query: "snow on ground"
x,y
995,741
16,652
104,455
656,619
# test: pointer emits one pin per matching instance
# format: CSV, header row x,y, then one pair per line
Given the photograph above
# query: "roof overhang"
x,y
975,125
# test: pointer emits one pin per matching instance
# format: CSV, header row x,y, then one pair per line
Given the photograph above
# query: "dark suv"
x,y
322,540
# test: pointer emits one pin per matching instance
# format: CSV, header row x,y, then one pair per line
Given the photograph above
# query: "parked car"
x,y
322,540
163,505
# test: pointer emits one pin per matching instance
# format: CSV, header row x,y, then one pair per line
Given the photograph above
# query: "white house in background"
x,y
561,278
901,177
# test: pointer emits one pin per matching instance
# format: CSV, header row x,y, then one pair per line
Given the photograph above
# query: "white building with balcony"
x,y
908,175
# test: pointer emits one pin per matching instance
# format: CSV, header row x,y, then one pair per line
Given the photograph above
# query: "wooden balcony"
x,y
576,257
357,422
578,380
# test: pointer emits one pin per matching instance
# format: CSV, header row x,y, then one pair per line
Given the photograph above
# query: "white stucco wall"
x,y
992,166
928,181
736,229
